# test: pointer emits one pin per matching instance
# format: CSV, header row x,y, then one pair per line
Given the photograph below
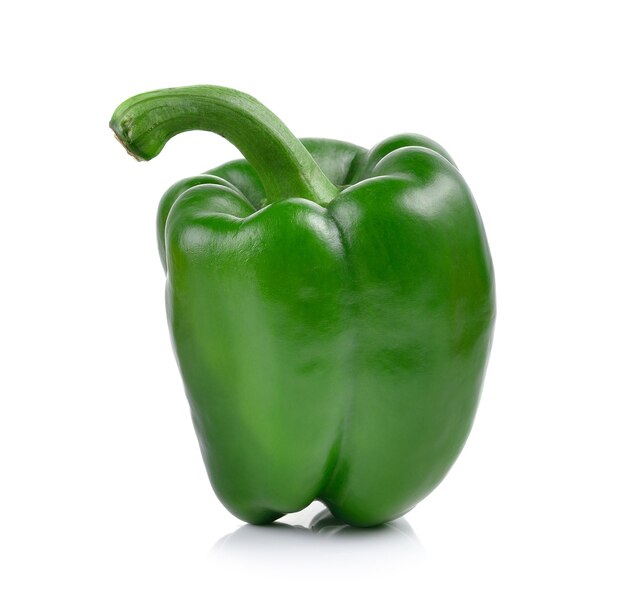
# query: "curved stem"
x,y
144,123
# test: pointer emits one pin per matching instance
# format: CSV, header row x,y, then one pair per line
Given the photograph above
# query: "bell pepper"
x,y
331,308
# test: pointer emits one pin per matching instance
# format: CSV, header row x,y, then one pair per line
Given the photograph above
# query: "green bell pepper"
x,y
331,308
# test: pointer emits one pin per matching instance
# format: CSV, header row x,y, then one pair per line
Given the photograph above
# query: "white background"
x,y
103,495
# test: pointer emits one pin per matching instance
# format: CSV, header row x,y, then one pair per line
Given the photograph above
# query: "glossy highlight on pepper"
x,y
331,308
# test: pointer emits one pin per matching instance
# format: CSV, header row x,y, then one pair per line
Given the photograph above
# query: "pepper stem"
x,y
144,123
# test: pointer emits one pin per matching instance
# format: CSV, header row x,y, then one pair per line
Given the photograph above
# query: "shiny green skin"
x,y
332,353
331,309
